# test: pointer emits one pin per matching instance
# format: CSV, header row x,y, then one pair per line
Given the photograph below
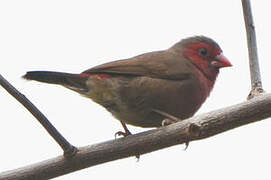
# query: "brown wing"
x,y
160,64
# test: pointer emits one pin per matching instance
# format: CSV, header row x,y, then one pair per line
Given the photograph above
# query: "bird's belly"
x,y
132,100
142,95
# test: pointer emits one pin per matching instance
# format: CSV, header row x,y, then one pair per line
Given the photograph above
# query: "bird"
x,y
152,89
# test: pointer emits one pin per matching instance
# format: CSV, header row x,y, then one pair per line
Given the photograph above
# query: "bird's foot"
x,y
167,122
121,133
124,134
169,118
186,145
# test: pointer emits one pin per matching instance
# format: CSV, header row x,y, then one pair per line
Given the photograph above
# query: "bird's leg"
x,y
167,122
124,134
169,118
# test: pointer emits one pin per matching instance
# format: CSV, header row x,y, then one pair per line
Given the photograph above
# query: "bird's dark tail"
x,y
76,82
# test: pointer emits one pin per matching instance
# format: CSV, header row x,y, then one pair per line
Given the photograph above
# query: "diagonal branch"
x,y
194,128
69,150
255,75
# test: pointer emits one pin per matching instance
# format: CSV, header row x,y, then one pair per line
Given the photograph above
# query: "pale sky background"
x,y
72,36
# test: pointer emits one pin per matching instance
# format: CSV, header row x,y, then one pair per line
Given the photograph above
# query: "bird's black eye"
x,y
203,51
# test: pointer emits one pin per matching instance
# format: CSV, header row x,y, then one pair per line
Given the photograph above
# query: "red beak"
x,y
221,61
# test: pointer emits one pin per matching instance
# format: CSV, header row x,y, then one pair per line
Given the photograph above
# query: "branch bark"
x,y
255,75
194,128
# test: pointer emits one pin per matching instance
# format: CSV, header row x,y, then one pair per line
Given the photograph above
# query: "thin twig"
x,y
69,150
194,128
255,75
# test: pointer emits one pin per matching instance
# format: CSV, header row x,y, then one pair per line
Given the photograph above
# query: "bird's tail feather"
x,y
76,82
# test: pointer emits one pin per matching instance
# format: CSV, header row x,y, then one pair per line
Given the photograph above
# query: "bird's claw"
x,y
167,122
137,158
186,145
124,134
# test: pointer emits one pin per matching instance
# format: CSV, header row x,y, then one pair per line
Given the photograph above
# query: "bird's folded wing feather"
x,y
160,64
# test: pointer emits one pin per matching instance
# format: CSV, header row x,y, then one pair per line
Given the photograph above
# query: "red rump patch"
x,y
98,76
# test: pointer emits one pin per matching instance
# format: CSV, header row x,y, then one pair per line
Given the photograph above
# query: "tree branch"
x,y
69,150
255,75
194,128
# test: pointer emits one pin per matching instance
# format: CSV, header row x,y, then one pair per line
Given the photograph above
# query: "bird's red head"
x,y
206,55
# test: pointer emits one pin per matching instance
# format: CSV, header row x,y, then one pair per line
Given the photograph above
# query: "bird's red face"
x,y
207,58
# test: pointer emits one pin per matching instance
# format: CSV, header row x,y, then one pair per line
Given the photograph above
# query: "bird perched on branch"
x,y
147,90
